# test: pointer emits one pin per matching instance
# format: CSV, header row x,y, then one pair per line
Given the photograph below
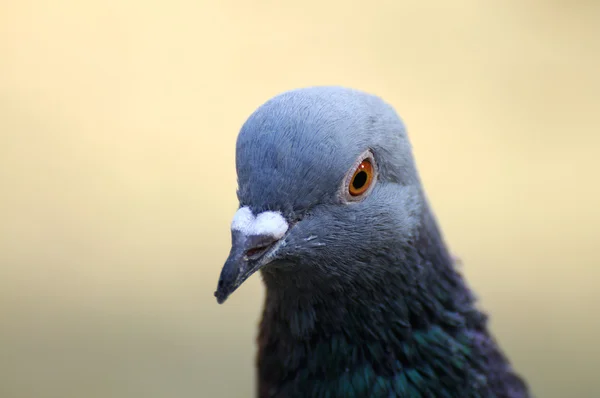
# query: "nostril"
x,y
255,250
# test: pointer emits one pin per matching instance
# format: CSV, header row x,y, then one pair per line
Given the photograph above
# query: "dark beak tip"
x,y
221,294
220,297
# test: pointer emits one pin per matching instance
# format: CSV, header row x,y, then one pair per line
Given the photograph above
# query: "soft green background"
x,y
118,122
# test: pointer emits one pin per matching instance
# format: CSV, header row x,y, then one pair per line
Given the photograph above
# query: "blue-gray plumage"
x,y
363,299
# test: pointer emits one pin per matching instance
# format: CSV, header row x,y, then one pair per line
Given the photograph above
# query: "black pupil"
x,y
359,180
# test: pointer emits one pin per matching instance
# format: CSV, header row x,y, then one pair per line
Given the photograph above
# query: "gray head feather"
x,y
293,151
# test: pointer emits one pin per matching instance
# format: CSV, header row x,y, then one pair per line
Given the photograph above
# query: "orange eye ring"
x,y
361,179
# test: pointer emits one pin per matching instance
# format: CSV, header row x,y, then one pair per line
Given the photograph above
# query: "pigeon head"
x,y
327,187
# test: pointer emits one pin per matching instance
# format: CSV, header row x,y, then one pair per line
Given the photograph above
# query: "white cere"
x,y
269,223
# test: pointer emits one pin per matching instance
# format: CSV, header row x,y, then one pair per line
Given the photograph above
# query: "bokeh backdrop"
x,y
118,122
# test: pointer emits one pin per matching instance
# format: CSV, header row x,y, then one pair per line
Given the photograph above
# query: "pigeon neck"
x,y
310,340
391,306
388,311
402,335
428,291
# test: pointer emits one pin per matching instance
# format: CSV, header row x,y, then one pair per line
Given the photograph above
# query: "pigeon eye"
x,y
362,178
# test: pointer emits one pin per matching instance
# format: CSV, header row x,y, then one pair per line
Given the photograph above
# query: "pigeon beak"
x,y
248,254
254,243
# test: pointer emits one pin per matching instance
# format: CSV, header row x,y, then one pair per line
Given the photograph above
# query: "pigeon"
x,y
363,298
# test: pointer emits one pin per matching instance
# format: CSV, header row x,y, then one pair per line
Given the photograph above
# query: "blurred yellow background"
x,y
118,122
